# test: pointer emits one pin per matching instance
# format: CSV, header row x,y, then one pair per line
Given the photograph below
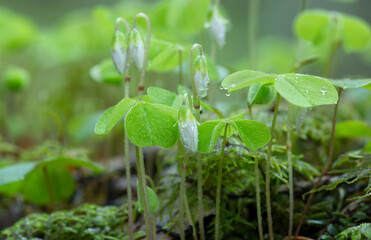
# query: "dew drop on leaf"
x,y
307,90
228,94
233,85
323,90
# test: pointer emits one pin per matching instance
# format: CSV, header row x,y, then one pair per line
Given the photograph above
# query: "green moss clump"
x,y
85,222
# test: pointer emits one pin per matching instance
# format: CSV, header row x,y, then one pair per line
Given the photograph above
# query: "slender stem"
x,y
196,104
257,191
180,54
291,182
182,190
219,184
126,139
268,171
189,216
325,170
143,192
258,200
145,61
250,112
48,185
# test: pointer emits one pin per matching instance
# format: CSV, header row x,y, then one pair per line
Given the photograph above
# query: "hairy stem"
x,y
258,200
268,171
182,191
325,170
196,104
219,184
127,79
291,183
143,192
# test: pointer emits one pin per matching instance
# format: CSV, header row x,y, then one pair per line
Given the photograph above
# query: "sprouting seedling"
x,y
198,86
189,139
120,57
254,134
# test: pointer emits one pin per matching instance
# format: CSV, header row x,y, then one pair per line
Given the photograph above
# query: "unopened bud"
x,y
217,25
201,75
136,47
118,51
188,130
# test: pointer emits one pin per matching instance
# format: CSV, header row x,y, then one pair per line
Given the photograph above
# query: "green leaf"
x,y
153,201
352,129
62,161
356,33
305,90
150,124
360,232
261,94
208,134
242,79
112,115
161,96
15,172
351,83
313,26
35,187
105,72
169,58
254,134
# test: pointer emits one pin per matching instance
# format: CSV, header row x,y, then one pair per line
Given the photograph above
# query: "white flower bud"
x,y
201,75
136,48
217,25
118,51
188,130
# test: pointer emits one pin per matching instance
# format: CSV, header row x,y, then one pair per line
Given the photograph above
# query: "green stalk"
x,y
325,170
151,231
219,184
180,53
258,201
182,190
268,171
143,192
196,104
291,182
189,216
126,139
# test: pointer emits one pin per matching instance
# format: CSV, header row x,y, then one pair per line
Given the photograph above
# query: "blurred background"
x,y
57,77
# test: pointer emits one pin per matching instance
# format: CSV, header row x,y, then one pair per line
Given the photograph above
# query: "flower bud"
x,y
118,51
136,47
201,75
217,25
188,130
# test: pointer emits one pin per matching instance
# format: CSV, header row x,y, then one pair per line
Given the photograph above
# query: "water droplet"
x,y
221,87
335,102
233,85
323,90
307,90
228,94
296,79
225,89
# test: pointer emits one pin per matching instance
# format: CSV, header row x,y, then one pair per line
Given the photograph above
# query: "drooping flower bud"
x,y
201,75
136,47
217,25
118,51
188,129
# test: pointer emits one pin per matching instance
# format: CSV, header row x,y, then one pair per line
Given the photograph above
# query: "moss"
x,y
85,222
